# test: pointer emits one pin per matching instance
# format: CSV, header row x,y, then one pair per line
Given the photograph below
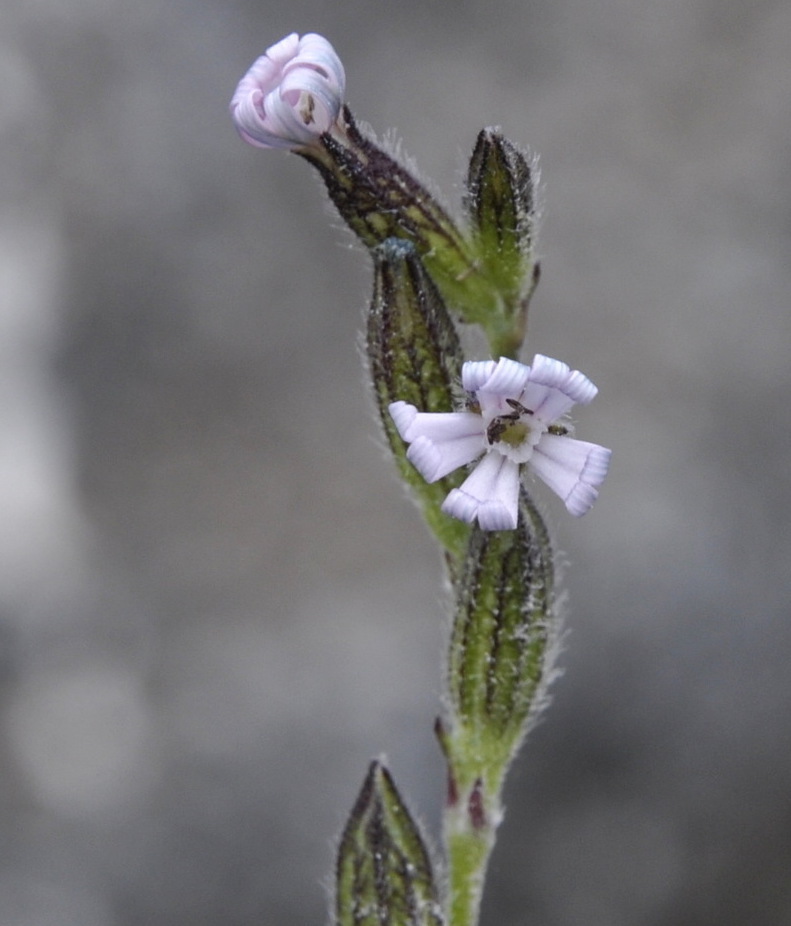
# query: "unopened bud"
x,y
291,95
379,198
384,871
501,204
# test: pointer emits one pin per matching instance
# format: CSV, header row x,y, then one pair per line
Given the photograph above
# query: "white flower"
x,y
291,94
512,419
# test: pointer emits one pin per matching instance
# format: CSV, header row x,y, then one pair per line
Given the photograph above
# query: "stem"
x,y
476,774
469,844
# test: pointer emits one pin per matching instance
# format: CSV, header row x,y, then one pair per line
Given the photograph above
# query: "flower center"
x,y
516,433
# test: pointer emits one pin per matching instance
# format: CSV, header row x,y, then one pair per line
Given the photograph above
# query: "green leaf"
x,y
384,872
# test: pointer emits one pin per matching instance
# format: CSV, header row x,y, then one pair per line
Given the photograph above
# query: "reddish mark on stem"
x,y
475,807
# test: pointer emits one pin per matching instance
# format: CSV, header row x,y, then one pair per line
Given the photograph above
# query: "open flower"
x,y
512,419
291,94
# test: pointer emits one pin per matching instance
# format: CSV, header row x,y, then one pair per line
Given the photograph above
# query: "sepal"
x,y
384,871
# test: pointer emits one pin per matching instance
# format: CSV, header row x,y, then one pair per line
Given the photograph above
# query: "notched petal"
x,y
573,469
403,414
435,459
475,373
508,378
490,493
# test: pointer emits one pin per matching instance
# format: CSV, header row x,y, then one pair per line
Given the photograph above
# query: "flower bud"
x,y
501,203
414,355
379,198
384,871
291,95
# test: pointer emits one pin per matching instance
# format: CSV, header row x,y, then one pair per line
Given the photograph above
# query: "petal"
x,y
490,493
316,52
551,372
500,516
553,388
435,459
442,426
283,51
556,388
461,506
248,116
574,469
440,441
403,415
508,378
474,373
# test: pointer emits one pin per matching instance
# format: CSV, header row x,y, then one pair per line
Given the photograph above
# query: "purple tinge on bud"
x,y
291,95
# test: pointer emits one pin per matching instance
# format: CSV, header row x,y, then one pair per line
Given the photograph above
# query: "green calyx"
x,y
414,356
500,202
384,875
485,275
503,637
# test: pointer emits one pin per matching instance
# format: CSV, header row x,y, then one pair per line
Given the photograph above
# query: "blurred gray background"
x,y
216,604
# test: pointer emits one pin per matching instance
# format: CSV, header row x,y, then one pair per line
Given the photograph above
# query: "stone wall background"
x,y
215,604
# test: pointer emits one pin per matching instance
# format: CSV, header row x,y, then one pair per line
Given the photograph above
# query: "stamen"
x,y
307,106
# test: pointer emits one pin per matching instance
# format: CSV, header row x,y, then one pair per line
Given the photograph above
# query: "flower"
x,y
291,95
512,417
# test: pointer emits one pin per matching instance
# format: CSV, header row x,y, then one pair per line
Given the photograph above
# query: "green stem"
x,y
476,774
469,844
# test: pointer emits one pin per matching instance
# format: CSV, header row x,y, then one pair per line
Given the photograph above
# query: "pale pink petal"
x,y
403,414
435,459
508,378
551,372
283,51
580,388
461,506
490,493
474,373
440,441
316,52
553,389
547,403
499,516
442,426
574,469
